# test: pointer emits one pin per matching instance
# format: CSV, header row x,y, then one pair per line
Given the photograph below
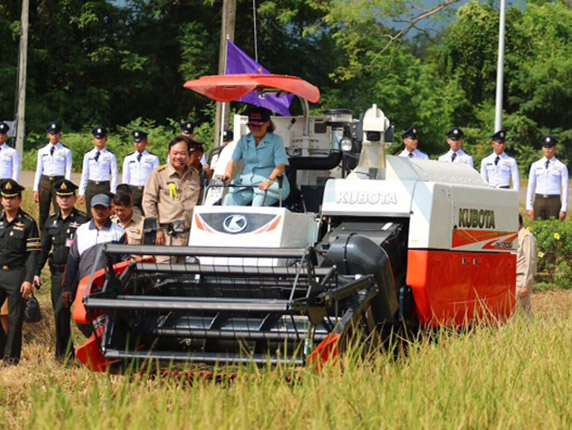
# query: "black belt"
x,y
506,187
52,178
98,182
137,187
57,267
547,196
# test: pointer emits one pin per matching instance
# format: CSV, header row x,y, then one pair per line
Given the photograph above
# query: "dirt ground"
x,y
556,303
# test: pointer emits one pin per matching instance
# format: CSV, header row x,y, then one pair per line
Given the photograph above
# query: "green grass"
x,y
512,376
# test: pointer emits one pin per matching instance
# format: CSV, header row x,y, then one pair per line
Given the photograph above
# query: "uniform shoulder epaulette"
x,y
109,150
65,146
82,213
27,216
131,153
161,168
152,153
53,214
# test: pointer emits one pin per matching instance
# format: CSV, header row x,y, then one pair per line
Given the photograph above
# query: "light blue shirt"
x,y
259,161
262,159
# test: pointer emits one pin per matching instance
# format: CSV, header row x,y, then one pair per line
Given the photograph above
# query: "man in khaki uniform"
x,y
127,218
525,267
171,193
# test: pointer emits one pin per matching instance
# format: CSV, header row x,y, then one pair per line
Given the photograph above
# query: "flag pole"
x,y
255,33
223,108
228,24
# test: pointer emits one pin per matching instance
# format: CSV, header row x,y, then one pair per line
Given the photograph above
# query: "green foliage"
x,y
554,243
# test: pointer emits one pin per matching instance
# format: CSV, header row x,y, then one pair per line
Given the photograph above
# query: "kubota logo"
x,y
477,218
234,223
366,198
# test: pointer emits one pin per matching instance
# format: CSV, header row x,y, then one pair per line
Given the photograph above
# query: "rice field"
x,y
517,375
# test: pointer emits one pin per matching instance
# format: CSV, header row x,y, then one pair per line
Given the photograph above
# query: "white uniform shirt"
x,y
415,154
56,163
500,173
548,180
98,170
136,170
9,163
460,157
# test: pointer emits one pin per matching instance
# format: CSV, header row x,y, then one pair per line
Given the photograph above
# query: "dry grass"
x,y
509,377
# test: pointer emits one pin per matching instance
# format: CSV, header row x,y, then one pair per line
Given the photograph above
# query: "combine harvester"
x,y
359,247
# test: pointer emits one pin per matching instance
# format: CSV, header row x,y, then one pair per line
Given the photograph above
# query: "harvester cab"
x,y
368,242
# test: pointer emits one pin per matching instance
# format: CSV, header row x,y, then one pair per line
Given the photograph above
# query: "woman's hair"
x,y
271,127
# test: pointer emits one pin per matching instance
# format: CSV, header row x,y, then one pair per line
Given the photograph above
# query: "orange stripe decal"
x,y
463,237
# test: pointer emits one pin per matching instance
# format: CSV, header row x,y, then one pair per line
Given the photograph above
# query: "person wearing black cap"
x,y
547,184
455,139
498,168
411,140
57,236
264,158
19,248
188,130
138,165
9,158
99,170
89,238
54,163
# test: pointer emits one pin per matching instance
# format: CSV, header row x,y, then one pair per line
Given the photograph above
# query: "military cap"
x,y
549,141
10,188
188,127
99,132
4,128
455,134
499,136
101,200
227,135
54,127
139,136
258,115
410,133
65,188
196,146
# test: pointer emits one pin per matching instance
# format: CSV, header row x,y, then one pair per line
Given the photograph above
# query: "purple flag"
x,y
238,62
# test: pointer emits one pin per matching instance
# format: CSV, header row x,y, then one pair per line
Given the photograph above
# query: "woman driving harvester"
x,y
264,158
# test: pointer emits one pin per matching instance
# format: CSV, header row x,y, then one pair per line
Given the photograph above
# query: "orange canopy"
x,y
227,88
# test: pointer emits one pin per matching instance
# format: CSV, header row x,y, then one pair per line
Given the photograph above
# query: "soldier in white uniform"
x,y
138,165
54,164
9,158
99,170
455,139
548,184
411,140
498,168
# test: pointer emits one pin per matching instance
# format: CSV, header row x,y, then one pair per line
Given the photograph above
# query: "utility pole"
x,y
500,68
22,65
227,30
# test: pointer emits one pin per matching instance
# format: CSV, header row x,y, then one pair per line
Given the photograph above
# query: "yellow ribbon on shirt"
x,y
173,193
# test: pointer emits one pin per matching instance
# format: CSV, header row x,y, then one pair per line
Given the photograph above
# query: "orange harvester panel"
x,y
461,287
